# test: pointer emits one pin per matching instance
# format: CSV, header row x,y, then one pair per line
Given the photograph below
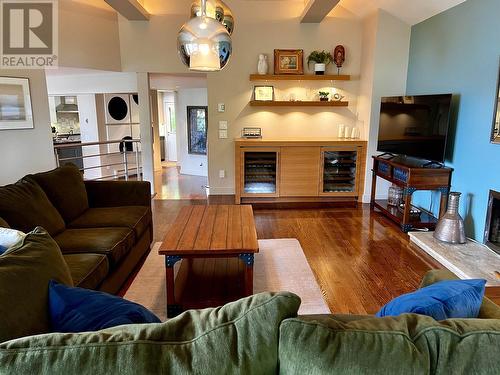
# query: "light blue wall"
x,y
458,51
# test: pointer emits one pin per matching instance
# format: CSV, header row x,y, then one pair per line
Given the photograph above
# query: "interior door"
x,y
171,138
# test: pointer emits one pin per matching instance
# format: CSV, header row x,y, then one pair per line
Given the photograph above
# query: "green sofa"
x,y
262,334
103,228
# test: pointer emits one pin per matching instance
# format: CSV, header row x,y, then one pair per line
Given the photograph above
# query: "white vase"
x,y
341,131
262,64
319,69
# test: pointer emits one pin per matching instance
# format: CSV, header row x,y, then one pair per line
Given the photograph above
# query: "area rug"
x,y
280,265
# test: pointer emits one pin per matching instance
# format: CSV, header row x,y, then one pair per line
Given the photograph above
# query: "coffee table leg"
x,y
173,308
248,258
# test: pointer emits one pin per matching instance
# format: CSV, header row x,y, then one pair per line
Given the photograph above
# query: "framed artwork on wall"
x,y
15,104
197,123
495,129
288,61
263,93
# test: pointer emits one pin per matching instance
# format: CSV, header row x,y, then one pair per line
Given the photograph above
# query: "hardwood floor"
x,y
359,258
170,184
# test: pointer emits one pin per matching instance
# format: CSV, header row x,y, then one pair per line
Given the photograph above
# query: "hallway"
x,y
170,184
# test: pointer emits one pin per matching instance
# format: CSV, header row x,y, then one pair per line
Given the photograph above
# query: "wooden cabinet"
x,y
299,171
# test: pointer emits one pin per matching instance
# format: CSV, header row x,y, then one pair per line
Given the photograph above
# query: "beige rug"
x,y
280,265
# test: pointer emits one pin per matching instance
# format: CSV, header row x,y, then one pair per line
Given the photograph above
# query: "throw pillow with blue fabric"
x,y
10,238
81,310
442,300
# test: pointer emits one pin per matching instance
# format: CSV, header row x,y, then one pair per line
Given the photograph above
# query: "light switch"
x,y
222,134
222,125
222,173
221,107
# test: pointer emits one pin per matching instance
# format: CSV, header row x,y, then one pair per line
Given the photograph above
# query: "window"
x,y
197,122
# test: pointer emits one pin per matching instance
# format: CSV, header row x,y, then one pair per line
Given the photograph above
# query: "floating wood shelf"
x,y
317,103
302,77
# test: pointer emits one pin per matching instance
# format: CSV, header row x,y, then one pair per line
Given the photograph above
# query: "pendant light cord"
x,y
203,8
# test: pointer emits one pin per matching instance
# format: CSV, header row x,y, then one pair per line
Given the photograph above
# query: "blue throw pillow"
x,y
80,310
442,300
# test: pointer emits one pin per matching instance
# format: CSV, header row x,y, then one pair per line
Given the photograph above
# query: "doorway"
x,y
184,172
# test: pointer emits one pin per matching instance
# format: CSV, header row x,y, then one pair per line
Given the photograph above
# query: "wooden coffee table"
x,y
213,231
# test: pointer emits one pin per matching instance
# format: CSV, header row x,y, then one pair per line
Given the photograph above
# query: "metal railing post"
x,y
125,163
138,169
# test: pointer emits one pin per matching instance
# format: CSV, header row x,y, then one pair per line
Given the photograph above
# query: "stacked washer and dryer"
x,y
122,122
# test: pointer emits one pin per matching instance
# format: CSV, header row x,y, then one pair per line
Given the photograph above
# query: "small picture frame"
x,y
15,104
263,93
288,61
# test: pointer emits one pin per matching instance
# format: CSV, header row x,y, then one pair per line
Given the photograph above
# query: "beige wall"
x,y
88,36
28,150
385,69
260,28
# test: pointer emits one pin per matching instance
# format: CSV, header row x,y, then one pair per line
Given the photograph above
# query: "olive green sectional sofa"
x,y
104,228
262,334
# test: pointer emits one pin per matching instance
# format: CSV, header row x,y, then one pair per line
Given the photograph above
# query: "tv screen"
x,y
415,126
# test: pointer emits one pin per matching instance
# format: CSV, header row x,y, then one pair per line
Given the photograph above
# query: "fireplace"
x,y
492,230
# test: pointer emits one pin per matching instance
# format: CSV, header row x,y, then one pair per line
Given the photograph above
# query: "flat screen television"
x,y
415,126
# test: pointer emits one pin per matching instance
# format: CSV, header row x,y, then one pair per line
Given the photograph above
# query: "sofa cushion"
x,y
87,270
137,218
442,300
83,310
238,338
25,206
66,190
25,272
115,243
407,344
9,238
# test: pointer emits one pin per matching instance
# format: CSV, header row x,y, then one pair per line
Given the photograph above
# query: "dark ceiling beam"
x,y
130,9
316,10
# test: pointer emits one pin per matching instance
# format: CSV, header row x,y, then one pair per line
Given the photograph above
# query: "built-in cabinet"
x,y
302,170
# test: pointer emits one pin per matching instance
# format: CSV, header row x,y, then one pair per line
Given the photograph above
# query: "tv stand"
x,y
410,177
430,164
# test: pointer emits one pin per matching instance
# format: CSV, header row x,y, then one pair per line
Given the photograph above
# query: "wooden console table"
x,y
411,177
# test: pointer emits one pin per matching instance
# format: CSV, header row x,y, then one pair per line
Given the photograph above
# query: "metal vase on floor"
x,y
450,227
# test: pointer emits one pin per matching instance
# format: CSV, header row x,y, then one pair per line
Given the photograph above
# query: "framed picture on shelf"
x,y
263,93
15,104
288,61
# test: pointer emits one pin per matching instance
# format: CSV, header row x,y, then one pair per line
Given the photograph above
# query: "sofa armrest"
x,y
4,224
489,310
118,193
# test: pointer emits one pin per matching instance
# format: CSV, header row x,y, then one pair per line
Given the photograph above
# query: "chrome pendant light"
x,y
203,43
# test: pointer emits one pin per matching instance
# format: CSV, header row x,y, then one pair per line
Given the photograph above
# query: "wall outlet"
x,y
222,173
222,125
221,107
222,134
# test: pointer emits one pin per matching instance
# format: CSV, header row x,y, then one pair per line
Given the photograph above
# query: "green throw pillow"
x,y
25,272
25,206
238,338
66,190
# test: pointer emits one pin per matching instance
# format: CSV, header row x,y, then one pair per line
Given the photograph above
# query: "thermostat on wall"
x,y
221,107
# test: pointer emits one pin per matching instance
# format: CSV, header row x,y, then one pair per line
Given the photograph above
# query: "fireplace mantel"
x,y
468,261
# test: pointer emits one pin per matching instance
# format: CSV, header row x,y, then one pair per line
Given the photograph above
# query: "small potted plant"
x,y
321,59
323,96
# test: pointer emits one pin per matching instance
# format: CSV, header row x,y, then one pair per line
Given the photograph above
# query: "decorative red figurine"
x,y
339,57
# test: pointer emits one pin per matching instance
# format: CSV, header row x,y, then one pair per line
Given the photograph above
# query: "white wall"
x,y
90,83
29,150
190,164
385,68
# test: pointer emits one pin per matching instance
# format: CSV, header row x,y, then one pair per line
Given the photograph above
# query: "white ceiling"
x,y
409,11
